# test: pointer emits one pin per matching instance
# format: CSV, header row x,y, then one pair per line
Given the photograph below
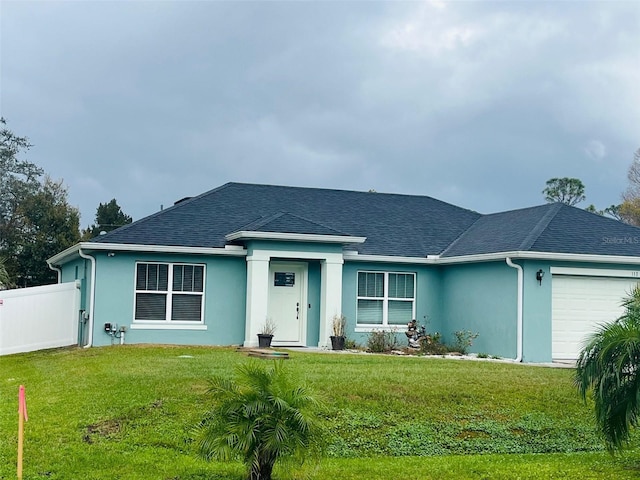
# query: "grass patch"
x,y
126,412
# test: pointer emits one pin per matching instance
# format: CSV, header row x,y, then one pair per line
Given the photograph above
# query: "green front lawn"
x,y
126,412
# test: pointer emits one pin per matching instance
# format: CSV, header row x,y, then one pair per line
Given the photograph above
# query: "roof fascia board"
x,y
550,256
72,251
231,250
238,251
351,257
293,237
492,257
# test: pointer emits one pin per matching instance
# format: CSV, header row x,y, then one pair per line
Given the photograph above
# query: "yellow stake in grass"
x,y
22,417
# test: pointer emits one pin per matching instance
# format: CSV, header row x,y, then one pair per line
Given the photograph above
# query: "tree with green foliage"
x,y
36,220
4,276
109,216
592,208
564,190
49,226
18,180
612,211
262,417
609,367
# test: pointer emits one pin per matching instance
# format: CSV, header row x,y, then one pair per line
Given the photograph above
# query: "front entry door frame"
x,y
287,304
258,262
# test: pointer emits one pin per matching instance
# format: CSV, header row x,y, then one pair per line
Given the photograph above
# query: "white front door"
x,y
288,302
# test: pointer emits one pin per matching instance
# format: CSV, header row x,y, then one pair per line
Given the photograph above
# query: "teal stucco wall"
x,y
224,304
482,298
536,325
428,294
313,312
80,270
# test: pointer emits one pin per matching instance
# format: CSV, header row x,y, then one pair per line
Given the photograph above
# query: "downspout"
x,y
56,269
520,299
92,294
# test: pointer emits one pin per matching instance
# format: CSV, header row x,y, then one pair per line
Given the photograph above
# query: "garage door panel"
x,y
580,305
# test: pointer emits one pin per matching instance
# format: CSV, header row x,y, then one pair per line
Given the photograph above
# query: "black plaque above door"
x,y
284,279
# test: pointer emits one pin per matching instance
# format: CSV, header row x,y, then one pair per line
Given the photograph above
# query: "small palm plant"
x,y
608,366
261,417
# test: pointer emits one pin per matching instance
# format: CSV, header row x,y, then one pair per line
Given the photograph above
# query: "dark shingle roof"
x,y
503,232
394,225
289,223
551,228
402,225
573,230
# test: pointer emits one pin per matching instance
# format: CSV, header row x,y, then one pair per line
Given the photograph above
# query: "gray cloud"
x,y
473,103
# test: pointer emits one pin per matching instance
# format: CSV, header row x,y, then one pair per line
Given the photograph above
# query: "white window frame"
x,y
368,327
167,322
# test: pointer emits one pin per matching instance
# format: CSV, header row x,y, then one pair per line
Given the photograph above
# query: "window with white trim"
x,y
169,292
385,299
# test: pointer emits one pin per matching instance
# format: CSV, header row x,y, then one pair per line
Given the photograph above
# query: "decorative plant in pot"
x,y
338,326
266,333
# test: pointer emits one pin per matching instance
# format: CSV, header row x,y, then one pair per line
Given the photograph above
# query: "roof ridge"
x,y
345,190
462,234
541,226
316,223
261,221
529,240
267,219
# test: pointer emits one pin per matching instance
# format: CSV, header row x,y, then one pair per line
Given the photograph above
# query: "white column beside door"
x,y
257,298
330,297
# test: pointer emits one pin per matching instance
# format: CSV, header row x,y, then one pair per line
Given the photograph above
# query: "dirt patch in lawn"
x,y
105,429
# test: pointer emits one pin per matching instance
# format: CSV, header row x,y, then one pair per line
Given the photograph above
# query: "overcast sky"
x,y
473,103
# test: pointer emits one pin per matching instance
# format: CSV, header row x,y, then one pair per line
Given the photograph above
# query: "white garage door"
x,y
579,305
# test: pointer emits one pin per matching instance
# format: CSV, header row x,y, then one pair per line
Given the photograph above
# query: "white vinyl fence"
x,y
39,317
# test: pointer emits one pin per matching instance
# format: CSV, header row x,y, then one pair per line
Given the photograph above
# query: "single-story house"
x,y
212,269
